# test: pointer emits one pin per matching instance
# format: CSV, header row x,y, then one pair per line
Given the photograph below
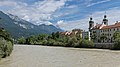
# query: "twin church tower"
x,y
91,22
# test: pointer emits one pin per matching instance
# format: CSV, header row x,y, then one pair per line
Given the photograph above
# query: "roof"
x,y
97,26
70,33
116,25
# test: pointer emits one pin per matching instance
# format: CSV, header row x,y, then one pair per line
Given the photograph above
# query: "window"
x,y
110,29
117,29
114,29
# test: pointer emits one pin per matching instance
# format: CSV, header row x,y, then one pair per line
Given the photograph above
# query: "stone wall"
x,y
103,45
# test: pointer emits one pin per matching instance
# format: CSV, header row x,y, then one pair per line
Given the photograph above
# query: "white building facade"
x,y
103,33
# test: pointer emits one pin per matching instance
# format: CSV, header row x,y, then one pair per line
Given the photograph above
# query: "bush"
x,y
56,40
6,44
78,44
116,36
71,42
6,47
57,43
84,44
50,42
117,44
21,40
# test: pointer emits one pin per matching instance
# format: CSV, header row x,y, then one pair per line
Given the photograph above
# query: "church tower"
x,y
105,20
91,24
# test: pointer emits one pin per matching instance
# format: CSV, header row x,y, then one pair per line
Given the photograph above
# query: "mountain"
x,y
18,27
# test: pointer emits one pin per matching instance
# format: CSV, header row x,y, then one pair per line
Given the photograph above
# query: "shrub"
x,y
50,42
21,40
71,42
116,36
90,44
78,44
84,43
6,43
57,43
6,47
117,44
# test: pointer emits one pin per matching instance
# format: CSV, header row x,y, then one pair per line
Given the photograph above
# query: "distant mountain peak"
x,y
18,27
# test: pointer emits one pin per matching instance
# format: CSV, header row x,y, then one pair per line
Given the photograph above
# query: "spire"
x,y
91,18
105,16
105,20
91,23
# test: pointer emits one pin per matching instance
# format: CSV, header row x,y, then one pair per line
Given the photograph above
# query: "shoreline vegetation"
x,y
6,43
56,39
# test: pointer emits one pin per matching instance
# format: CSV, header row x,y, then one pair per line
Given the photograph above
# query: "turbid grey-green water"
x,y
45,56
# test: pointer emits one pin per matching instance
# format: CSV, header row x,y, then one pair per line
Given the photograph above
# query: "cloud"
x,y
72,24
99,2
66,17
112,15
72,6
38,13
7,3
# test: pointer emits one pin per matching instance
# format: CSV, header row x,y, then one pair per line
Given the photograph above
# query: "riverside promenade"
x,y
48,56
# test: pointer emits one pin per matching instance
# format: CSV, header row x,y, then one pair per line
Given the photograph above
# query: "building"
x,y
85,35
103,32
72,33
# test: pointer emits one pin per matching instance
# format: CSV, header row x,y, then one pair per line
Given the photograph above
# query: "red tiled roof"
x,y
112,26
97,26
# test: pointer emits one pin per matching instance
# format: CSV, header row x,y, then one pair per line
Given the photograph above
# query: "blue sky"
x,y
66,14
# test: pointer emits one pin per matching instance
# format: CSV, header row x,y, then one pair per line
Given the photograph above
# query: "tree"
x,y
57,34
32,40
71,42
93,36
53,35
86,37
86,43
22,40
116,37
6,43
102,38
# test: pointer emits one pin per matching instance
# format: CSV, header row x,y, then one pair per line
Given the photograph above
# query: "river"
x,y
46,56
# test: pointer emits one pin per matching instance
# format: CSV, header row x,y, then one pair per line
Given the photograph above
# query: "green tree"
x,y
86,37
22,40
116,37
71,42
103,37
6,43
86,43
93,36
31,40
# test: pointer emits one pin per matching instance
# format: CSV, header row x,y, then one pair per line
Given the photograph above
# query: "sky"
x,y
65,14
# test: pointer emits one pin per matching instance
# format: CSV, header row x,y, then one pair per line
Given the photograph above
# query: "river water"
x,y
45,56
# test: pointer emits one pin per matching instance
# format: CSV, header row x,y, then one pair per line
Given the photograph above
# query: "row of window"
x,y
107,30
107,34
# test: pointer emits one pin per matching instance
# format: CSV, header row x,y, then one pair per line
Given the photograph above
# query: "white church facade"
x,y
103,33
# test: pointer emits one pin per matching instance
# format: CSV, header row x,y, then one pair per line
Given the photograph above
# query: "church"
x,y
103,33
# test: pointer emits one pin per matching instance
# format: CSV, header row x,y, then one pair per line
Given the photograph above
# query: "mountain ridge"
x,y
18,27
